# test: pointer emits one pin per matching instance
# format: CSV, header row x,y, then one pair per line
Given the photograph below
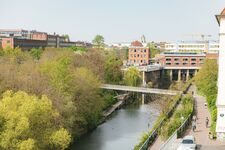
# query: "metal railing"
x,y
170,143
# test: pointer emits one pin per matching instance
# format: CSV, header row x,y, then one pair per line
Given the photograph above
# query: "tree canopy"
x,y
132,77
98,41
29,122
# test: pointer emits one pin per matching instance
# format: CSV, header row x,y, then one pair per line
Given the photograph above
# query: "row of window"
x,y
131,50
184,59
184,63
137,61
138,55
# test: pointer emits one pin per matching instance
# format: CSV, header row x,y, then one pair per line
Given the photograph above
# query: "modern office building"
x,y
139,54
193,47
182,66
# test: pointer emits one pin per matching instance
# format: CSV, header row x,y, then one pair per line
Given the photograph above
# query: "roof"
x,y
137,44
222,14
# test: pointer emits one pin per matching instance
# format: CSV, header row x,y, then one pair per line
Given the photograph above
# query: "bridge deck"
x,y
139,89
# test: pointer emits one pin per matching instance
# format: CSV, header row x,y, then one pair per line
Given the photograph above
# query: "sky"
x,y
116,20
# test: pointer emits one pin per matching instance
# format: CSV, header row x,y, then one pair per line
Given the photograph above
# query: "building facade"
x,y
33,39
138,54
182,66
220,103
193,47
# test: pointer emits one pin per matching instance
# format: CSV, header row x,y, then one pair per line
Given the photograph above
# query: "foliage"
x,y
29,121
206,82
113,73
153,50
176,120
78,49
36,53
132,77
98,41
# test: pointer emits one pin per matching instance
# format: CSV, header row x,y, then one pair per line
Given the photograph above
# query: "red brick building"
x,y
138,54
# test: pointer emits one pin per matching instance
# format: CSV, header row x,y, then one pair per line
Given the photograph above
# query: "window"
x,y
185,59
134,55
144,55
168,63
193,59
185,63
177,63
134,50
193,64
141,61
137,55
131,55
131,50
168,59
176,59
145,50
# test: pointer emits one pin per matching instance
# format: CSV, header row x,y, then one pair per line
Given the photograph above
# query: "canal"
x,y
122,130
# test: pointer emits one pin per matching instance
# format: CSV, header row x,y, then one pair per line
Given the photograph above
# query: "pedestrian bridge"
x,y
139,89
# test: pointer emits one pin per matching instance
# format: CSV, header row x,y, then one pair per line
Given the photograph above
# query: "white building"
x,y
196,47
220,125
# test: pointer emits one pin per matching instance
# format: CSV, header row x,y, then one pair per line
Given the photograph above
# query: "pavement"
x,y
202,132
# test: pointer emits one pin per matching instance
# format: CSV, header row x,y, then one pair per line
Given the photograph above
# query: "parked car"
x,y
188,143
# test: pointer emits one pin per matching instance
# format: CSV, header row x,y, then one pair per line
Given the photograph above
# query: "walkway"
x,y
139,89
202,133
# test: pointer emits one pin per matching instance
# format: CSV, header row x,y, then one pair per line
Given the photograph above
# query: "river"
x,y
122,130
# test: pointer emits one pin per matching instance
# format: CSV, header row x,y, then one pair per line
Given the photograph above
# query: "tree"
x,y
36,53
98,41
132,77
30,122
67,37
113,73
153,49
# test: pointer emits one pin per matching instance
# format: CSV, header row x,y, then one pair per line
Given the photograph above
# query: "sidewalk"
x,y
202,133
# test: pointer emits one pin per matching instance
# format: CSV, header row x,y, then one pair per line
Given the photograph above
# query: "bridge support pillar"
x,y
143,98
187,76
171,75
196,71
143,78
179,75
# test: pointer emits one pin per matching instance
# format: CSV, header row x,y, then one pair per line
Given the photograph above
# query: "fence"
x,y
171,143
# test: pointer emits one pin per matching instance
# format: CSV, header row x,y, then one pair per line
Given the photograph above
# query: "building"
x,y
33,39
182,66
220,125
25,44
17,33
139,54
193,47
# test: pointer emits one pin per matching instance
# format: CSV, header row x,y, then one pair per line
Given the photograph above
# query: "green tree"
x,y
98,41
113,73
132,77
36,53
67,37
153,50
29,122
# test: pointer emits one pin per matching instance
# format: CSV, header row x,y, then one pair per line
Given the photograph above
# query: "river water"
x,y
122,130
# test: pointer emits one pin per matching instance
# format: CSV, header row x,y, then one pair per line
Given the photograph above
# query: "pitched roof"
x,y
136,44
